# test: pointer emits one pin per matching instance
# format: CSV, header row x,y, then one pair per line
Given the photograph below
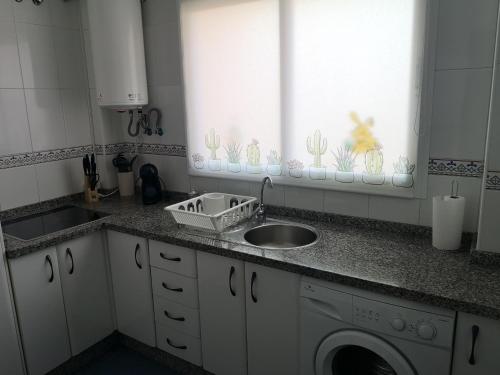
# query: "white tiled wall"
x,y
464,63
43,97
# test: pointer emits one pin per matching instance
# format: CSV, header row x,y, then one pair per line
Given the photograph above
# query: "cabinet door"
x,y
222,314
40,309
477,346
131,277
82,265
272,305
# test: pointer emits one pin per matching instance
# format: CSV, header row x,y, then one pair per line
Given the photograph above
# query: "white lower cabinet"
x,y
249,317
131,276
83,272
272,306
40,310
477,346
221,284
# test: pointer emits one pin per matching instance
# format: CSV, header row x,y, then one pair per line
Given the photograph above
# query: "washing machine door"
x,y
352,352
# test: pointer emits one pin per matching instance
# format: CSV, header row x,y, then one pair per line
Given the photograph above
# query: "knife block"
x,y
91,196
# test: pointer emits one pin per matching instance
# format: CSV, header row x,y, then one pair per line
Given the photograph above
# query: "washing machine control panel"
x,y
403,322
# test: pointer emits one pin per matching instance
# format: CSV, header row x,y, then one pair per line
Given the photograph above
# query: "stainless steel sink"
x,y
281,236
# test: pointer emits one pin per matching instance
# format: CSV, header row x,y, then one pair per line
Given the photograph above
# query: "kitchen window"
x,y
317,93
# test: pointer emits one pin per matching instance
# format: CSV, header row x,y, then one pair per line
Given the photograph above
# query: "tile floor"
x,y
124,361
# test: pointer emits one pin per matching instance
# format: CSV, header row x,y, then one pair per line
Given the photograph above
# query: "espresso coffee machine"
x,y
151,186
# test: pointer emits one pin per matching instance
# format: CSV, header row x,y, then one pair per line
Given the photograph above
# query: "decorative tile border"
x,y
38,157
462,168
493,180
31,158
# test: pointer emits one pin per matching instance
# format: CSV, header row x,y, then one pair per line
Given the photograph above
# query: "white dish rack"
x,y
190,212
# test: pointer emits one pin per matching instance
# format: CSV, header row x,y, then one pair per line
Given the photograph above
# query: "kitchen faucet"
x,y
261,210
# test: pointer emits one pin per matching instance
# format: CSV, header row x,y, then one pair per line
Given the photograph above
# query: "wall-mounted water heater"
x,y
117,45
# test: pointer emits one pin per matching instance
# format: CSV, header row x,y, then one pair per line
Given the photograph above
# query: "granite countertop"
x,y
382,257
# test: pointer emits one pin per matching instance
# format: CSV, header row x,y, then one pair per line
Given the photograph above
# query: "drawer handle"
x,y
252,283
179,290
176,259
475,333
70,255
231,274
137,248
48,260
179,319
182,347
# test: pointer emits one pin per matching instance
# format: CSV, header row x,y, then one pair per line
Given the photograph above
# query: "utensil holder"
x,y
126,183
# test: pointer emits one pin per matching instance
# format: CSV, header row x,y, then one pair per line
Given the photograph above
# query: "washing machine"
x,y
346,331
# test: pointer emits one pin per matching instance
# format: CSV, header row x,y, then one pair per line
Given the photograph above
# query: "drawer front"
x,y
179,317
175,287
173,258
179,344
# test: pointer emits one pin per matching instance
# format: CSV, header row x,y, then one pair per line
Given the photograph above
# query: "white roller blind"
x,y
322,93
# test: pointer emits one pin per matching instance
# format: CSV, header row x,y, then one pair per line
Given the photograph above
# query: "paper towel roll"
x,y
447,221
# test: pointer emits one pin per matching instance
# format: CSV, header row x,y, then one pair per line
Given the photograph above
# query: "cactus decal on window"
x,y
359,159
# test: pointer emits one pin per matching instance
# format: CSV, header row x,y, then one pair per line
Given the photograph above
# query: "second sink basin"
x,y
281,236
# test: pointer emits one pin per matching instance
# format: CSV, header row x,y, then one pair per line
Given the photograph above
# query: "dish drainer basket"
x,y
191,212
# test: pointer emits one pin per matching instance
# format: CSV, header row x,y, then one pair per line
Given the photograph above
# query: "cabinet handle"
x,y
179,290
252,282
231,274
475,333
179,319
137,248
176,259
182,347
68,253
48,260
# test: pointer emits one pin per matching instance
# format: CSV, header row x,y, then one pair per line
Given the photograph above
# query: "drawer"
x,y
179,317
173,258
179,344
175,287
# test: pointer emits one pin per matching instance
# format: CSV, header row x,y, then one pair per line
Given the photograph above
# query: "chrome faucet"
x,y
261,210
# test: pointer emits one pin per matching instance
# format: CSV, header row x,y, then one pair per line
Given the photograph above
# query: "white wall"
x,y
44,112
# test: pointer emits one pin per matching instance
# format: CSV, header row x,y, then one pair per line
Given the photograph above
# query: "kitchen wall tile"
x,y
466,33
107,125
107,172
174,173
84,14
10,67
59,178
346,203
46,119
159,11
295,197
26,11
38,57
274,196
234,187
19,187
170,101
14,128
65,13
494,128
204,184
76,117
88,59
6,12
162,51
469,187
70,58
460,113
394,209
489,235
